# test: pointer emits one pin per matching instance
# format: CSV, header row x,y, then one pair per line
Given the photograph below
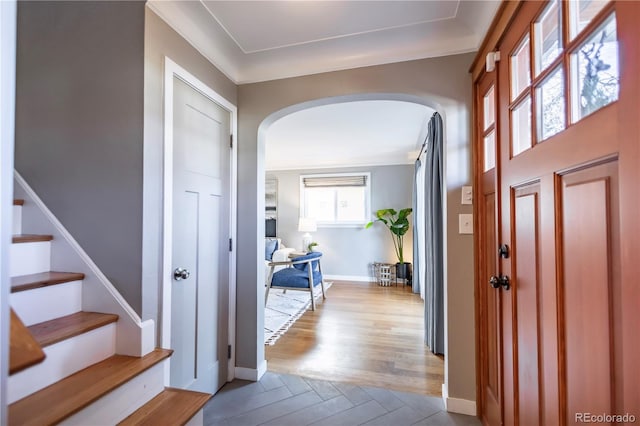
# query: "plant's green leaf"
x,y
404,213
397,223
380,213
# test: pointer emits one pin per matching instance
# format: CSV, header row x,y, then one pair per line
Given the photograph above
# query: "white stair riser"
x,y
122,401
63,359
17,220
47,303
30,258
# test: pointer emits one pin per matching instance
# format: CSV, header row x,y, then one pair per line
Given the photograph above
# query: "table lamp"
x,y
307,225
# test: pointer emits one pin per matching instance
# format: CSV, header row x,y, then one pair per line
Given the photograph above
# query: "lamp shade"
x,y
307,224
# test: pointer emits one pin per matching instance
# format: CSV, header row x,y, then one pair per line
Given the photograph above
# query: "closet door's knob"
x,y
181,274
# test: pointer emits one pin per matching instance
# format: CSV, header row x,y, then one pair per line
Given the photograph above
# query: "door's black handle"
x,y
501,281
504,282
494,281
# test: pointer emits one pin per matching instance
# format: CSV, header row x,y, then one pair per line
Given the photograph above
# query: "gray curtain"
x,y
416,225
434,277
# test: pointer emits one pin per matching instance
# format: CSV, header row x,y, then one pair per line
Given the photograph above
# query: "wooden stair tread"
x,y
24,350
170,407
30,238
18,202
43,279
55,403
58,329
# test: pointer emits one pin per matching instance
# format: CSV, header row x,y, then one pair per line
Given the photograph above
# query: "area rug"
x,y
284,309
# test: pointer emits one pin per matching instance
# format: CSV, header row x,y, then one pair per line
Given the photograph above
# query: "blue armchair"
x,y
301,273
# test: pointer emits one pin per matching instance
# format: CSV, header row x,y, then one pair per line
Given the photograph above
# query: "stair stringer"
x,y
135,337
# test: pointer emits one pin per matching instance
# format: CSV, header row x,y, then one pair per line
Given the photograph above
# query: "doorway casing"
x,y
462,406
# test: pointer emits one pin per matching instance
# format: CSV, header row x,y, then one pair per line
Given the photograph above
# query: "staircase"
x,y
64,364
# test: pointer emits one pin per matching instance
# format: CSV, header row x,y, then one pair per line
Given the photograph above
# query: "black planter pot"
x,y
404,271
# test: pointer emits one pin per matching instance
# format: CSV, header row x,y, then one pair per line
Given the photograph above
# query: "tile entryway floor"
x,y
282,400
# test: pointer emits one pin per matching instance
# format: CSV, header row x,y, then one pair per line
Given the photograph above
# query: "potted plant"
x,y
398,224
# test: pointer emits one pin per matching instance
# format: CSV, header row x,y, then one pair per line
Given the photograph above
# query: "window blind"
x,y
330,181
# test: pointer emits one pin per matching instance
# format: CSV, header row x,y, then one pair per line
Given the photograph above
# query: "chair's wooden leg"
x,y
313,299
266,294
321,280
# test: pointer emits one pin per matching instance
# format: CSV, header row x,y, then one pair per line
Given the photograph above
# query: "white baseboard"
x,y
364,278
456,405
251,374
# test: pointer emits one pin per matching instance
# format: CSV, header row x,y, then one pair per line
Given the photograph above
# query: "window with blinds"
x,y
339,199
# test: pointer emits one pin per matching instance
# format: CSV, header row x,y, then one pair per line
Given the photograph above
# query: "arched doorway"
x,y
294,110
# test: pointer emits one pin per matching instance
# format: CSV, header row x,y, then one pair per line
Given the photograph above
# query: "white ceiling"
x,y
251,41
263,40
362,133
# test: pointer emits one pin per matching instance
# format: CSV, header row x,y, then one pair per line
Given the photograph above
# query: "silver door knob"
x,y
181,274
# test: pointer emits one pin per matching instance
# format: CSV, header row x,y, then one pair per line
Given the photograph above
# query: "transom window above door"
x,y
565,67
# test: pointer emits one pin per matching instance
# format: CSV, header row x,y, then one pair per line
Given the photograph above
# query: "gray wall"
x,y
349,251
160,41
442,83
79,112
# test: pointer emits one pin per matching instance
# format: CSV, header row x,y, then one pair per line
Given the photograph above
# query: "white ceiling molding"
x,y
286,24
253,41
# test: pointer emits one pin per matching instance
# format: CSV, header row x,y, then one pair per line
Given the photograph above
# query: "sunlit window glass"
x,y
548,36
520,73
490,151
550,99
521,127
595,71
581,12
489,108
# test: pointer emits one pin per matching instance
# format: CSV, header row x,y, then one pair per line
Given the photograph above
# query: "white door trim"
x,y
7,137
171,70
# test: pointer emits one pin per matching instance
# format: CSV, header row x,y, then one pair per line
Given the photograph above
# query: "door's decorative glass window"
x,y
595,71
489,108
551,105
581,13
520,69
488,131
548,36
490,151
565,67
521,127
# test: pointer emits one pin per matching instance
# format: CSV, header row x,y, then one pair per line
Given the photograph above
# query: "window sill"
x,y
342,225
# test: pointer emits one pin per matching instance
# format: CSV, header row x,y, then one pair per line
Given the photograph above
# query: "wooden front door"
x,y
567,175
489,315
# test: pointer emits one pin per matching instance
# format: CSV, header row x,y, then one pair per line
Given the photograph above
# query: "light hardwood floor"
x,y
362,334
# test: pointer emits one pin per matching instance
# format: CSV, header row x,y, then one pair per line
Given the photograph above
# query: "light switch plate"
x,y
465,225
467,195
